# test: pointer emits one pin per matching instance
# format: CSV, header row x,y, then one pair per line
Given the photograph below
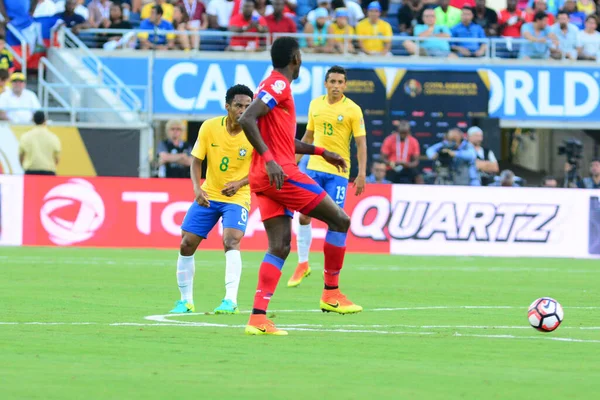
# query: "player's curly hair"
x,y
282,51
336,69
238,89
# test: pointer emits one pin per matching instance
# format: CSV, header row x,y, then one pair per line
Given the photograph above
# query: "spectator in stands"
x,y
6,57
592,181
44,8
263,8
506,179
467,29
538,34
80,8
18,12
355,12
304,7
539,6
194,12
174,153
552,6
373,25
460,156
486,18
4,84
180,21
447,15
99,13
18,104
317,41
401,152
278,22
378,170
341,26
219,13
385,5
246,22
567,35
70,19
430,30
588,7
410,15
576,17
510,20
167,9
116,40
310,17
39,148
589,40
157,41
486,163
549,182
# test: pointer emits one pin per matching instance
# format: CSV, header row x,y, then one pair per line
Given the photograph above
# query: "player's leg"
x,y
278,225
334,249
235,218
197,223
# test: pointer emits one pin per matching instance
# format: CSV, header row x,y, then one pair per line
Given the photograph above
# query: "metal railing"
x,y
105,76
219,40
22,59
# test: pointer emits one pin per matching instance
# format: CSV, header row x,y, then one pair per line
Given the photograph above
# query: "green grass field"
x,y
73,325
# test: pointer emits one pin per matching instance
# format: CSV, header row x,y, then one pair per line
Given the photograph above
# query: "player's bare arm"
x,y
361,154
248,123
200,195
331,157
309,137
231,188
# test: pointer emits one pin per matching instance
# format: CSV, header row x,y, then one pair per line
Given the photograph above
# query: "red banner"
x,y
133,212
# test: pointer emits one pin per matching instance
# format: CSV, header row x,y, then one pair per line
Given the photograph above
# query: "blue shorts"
x,y
200,220
334,185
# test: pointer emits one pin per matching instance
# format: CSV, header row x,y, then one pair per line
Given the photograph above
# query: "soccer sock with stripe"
x,y
185,277
268,277
233,273
334,250
304,240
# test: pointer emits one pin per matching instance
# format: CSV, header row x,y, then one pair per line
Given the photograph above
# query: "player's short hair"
x,y
562,11
173,123
540,15
158,9
592,16
469,8
336,69
547,178
39,117
282,51
235,90
4,74
596,159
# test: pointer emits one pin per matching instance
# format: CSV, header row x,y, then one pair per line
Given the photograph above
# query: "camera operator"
x,y
456,157
573,149
592,181
487,164
401,152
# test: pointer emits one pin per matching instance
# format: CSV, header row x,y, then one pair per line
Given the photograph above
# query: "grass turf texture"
x,y
394,353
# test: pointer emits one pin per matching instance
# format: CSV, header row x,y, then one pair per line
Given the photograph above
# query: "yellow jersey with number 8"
x,y
228,159
333,126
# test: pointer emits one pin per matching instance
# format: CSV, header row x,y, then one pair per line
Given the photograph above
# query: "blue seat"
x,y
213,43
393,9
394,23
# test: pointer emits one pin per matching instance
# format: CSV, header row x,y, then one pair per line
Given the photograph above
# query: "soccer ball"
x,y
545,314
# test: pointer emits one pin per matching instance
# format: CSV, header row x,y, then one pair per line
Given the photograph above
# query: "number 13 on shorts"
x,y
340,194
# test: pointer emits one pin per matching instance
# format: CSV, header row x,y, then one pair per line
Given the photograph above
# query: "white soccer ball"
x,y
545,314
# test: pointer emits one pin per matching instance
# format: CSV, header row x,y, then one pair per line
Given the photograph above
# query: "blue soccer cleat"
x,y
182,307
227,307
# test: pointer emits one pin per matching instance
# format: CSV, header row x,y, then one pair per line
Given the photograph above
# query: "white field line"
x,y
557,339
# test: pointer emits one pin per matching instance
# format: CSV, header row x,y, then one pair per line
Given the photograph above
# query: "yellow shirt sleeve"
x,y
199,150
358,123
310,126
146,10
387,30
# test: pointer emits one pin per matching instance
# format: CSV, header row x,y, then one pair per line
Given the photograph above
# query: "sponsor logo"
x,y
482,222
243,152
413,88
278,86
64,227
214,145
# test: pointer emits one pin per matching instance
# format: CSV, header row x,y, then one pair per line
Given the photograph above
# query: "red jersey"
x,y
517,17
277,128
238,20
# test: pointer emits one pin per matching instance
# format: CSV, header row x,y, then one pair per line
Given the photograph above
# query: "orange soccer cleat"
x,y
302,271
260,325
335,301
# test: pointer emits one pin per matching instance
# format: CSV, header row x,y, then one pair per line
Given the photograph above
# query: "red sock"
x,y
268,277
334,261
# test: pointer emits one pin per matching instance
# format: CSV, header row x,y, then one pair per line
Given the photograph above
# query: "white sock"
x,y
233,273
304,240
185,277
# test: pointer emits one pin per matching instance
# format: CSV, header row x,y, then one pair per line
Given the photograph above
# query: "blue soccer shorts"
x,y
334,185
200,220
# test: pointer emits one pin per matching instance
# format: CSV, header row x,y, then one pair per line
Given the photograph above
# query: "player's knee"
x,y
304,219
281,249
188,246
342,222
231,243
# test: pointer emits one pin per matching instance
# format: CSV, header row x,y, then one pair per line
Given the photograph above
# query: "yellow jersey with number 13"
x,y
228,159
333,126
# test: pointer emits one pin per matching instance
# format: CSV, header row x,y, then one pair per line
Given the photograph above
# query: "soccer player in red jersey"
x,y
281,188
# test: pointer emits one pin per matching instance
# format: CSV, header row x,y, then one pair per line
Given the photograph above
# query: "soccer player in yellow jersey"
x,y
333,120
224,194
